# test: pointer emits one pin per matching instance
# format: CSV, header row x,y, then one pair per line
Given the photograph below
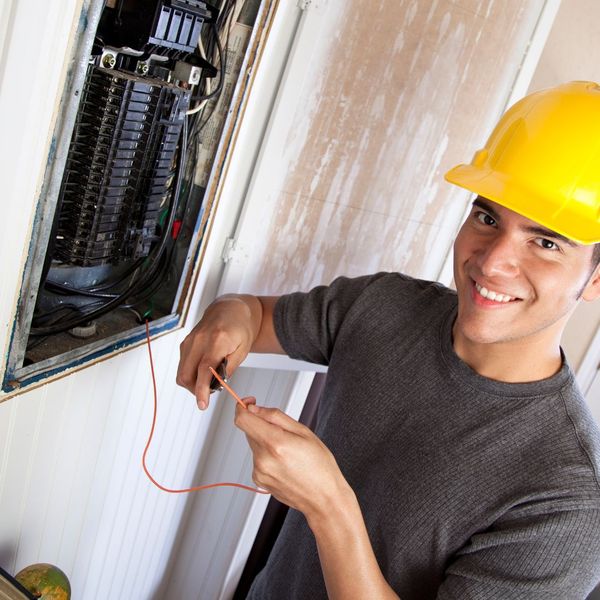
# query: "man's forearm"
x,y
349,566
257,313
292,463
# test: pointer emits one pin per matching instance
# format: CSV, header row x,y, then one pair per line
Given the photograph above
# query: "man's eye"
x,y
484,218
547,244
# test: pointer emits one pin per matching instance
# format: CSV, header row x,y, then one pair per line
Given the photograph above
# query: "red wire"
x,y
158,485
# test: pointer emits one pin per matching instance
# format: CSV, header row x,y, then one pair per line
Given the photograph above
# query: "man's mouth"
x,y
493,295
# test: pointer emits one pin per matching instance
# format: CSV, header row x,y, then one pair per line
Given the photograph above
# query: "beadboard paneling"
x,y
72,491
213,543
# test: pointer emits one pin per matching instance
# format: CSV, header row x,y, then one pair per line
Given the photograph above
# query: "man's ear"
x,y
592,289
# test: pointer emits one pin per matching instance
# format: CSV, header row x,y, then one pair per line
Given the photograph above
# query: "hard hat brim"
x,y
494,186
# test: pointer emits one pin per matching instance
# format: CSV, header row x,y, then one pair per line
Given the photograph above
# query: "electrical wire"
x,y
222,57
148,293
67,290
203,103
195,488
57,309
78,308
224,22
227,387
105,285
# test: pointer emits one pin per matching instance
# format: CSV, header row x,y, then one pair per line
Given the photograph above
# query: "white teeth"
x,y
491,295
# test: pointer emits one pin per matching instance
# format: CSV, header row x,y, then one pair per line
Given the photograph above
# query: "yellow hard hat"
x,y
543,161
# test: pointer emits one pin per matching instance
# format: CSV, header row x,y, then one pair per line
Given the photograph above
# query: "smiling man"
x,y
454,456
518,284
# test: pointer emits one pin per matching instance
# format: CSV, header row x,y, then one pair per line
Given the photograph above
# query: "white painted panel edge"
x,y
534,51
590,365
281,362
297,68
242,163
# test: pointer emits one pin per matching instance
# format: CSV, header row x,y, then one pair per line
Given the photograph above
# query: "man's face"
x,y
516,280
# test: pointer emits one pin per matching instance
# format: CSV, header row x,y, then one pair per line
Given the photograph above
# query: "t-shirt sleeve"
x,y
550,557
308,323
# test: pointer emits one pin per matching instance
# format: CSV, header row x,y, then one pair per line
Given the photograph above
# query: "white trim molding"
x,y
590,365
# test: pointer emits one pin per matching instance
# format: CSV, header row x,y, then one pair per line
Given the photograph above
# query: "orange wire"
x,y
197,487
230,390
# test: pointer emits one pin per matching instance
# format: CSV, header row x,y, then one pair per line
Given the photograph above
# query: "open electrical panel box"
x,y
122,214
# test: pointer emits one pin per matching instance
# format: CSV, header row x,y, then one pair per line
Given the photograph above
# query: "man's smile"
x,y
487,297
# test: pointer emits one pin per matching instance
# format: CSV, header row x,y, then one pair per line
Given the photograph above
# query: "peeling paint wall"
x,y
396,93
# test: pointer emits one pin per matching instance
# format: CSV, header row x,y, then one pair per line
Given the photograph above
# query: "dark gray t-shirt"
x,y
470,488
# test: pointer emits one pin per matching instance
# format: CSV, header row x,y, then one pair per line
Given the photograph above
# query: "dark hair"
x,y
596,255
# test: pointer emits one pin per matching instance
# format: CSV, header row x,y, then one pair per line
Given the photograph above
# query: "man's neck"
x,y
511,362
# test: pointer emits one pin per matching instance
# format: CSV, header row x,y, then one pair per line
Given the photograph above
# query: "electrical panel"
x,y
125,212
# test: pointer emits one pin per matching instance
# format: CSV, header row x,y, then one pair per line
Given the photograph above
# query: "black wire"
x,y
67,290
223,67
71,307
222,55
34,343
164,270
209,116
118,20
74,323
228,6
55,310
215,39
106,285
197,124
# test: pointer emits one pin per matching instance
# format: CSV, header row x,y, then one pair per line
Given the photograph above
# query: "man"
x,y
454,456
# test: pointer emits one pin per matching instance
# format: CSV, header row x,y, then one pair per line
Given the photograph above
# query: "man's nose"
x,y
498,257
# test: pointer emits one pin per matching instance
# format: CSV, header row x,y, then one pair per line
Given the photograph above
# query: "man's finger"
x,y
186,370
255,428
249,400
265,424
279,418
204,377
202,386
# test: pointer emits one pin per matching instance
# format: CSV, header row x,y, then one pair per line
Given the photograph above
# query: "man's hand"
x,y
227,329
231,327
290,461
